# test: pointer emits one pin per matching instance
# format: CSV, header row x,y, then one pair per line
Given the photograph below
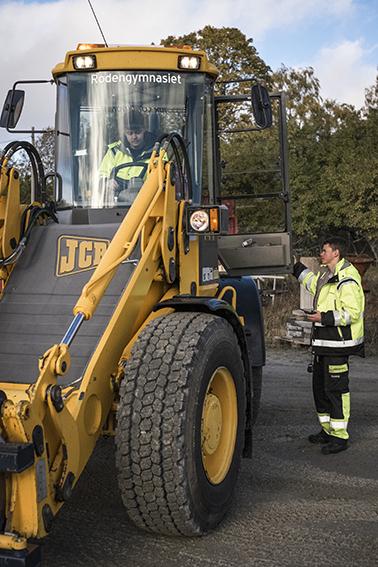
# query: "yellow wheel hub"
x,y
212,424
219,425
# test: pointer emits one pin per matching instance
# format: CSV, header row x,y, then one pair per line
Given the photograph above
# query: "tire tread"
x,y
150,443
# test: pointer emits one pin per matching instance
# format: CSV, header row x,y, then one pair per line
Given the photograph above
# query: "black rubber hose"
x,y
40,185
25,232
177,143
35,161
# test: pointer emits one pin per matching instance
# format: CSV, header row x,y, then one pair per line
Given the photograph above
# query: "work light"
x,y
207,219
191,62
82,46
84,62
199,221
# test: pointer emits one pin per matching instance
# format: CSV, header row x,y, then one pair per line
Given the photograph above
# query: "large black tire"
x,y
163,474
256,391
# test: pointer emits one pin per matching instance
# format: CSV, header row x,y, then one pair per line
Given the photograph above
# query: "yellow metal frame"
x,y
10,217
71,432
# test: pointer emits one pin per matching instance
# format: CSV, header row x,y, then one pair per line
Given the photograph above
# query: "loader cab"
x,y
91,139
236,145
234,134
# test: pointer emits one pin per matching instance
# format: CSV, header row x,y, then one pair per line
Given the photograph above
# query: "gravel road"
x,y
293,506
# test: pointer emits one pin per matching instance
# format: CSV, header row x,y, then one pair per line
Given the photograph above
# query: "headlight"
x,y
189,62
84,62
199,221
206,219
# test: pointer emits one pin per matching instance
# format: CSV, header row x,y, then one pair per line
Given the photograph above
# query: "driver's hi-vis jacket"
x,y
119,154
340,299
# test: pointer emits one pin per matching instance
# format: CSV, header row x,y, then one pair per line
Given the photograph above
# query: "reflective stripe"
x,y
303,274
346,405
336,368
338,424
345,282
337,318
347,317
319,325
308,283
337,344
324,418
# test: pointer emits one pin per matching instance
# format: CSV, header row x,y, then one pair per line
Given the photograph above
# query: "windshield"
x,y
107,124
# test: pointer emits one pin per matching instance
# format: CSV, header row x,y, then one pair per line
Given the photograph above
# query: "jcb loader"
x,y
127,303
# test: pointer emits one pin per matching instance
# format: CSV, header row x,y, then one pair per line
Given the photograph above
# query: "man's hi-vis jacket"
x,y
340,299
119,154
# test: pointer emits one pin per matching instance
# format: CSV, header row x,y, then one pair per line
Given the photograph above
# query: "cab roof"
x,y
135,58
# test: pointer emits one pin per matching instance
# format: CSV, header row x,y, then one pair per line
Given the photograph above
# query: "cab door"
x,y
252,181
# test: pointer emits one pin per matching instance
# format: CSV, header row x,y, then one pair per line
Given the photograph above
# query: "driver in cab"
x,y
117,165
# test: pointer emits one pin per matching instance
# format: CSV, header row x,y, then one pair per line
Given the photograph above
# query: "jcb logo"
x,y
76,254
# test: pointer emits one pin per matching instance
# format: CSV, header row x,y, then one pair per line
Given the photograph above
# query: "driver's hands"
x,y
112,184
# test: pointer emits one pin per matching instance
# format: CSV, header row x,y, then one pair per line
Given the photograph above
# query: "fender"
x,y
223,309
248,305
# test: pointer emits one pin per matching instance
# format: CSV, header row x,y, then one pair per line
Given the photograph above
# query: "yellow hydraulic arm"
x,y
10,217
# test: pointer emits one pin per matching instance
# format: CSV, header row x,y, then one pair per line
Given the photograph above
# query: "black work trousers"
x,y
330,384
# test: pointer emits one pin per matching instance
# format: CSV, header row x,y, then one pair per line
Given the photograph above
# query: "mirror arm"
x,y
13,130
57,194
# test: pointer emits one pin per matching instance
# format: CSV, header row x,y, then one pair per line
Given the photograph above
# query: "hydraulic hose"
x,y
177,143
35,161
34,211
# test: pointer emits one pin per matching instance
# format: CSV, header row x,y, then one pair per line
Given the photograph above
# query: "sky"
x,y
338,38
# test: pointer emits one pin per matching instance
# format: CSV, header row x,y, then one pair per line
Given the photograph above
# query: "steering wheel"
x,y
124,183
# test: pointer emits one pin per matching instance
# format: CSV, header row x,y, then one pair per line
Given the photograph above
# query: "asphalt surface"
x,y
293,506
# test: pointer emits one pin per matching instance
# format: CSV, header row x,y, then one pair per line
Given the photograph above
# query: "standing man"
x,y
338,331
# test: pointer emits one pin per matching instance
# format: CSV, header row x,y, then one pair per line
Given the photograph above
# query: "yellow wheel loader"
x,y
128,306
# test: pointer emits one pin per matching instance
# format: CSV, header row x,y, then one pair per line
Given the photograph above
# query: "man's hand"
x,y
315,317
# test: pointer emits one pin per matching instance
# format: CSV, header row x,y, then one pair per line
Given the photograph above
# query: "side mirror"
x,y
12,108
261,106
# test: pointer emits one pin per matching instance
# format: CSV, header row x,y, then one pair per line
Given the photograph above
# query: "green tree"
x,y
332,147
370,110
351,172
236,58
229,50
305,123
327,159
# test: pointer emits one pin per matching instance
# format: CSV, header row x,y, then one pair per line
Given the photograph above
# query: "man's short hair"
x,y
336,243
134,120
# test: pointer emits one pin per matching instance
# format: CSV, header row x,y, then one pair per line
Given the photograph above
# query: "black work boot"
x,y
321,437
335,445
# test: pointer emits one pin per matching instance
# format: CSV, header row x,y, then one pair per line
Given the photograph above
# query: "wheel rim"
x,y
219,425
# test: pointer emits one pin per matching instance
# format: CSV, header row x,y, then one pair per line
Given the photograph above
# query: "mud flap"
x,y
29,557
